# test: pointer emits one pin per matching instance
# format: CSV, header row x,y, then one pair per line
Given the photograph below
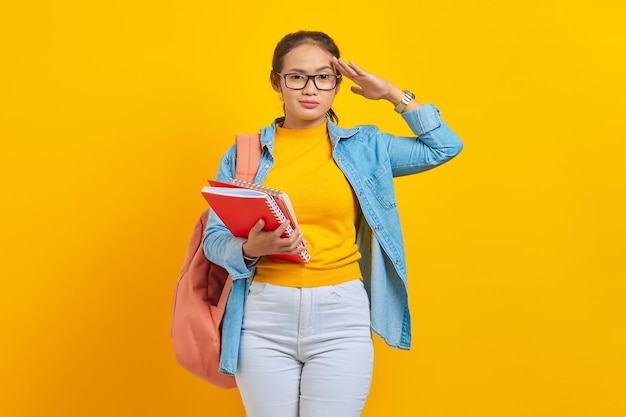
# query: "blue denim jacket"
x,y
369,159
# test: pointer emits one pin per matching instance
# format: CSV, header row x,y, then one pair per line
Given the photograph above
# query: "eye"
x,y
323,77
295,77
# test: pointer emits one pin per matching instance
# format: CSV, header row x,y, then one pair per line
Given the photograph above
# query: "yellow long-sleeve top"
x,y
325,207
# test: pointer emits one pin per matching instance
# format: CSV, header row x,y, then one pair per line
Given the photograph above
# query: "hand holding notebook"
x,y
240,205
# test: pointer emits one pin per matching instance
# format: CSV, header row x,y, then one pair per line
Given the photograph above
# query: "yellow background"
x,y
113,114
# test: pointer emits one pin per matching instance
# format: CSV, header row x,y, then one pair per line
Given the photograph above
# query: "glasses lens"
x,y
295,81
325,81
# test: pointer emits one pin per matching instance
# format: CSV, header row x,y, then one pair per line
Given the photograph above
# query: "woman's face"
x,y
306,108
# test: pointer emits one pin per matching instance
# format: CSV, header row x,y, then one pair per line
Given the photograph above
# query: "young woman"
x,y
298,336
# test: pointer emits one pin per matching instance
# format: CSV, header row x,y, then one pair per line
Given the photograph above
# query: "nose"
x,y
310,88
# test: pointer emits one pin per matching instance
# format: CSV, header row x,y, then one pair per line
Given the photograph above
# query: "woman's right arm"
x,y
218,243
228,251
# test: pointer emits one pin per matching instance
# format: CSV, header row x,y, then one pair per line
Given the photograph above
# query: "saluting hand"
x,y
369,85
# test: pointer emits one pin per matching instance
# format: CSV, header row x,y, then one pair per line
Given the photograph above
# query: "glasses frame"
x,y
308,78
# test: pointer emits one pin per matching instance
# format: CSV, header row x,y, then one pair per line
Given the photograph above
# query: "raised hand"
x,y
368,85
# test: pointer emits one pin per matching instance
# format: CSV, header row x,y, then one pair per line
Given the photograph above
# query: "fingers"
x,y
281,229
258,226
262,242
296,235
357,69
257,229
350,70
367,84
289,244
356,90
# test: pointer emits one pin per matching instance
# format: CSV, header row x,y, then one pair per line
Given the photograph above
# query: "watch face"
x,y
408,96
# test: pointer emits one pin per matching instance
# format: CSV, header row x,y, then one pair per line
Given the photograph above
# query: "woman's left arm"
x,y
436,143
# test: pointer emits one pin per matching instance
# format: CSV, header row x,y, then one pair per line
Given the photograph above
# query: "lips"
x,y
309,104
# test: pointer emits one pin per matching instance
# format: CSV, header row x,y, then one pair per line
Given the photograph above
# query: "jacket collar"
x,y
335,132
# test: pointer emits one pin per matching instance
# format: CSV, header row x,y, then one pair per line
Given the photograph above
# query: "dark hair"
x,y
292,40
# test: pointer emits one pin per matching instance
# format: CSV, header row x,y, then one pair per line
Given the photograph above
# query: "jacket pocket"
x,y
381,185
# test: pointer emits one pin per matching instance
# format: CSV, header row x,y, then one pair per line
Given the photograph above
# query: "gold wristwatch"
x,y
408,96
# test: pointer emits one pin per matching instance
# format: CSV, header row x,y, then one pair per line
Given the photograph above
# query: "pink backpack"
x,y
203,288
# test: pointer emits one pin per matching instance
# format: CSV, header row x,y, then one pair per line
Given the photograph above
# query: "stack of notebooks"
x,y
240,205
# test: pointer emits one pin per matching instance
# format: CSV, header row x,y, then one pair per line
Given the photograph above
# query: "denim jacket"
x,y
369,159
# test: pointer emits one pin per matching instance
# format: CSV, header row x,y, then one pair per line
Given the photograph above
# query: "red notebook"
x,y
240,205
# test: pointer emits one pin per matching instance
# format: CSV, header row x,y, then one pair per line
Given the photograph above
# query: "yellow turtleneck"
x,y
325,207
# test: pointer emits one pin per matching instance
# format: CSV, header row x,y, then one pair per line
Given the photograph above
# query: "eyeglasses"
x,y
297,81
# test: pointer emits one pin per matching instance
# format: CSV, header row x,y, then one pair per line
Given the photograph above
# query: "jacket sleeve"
x,y
219,244
435,143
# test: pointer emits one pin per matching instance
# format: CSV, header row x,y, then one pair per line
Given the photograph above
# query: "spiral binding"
x,y
280,216
241,183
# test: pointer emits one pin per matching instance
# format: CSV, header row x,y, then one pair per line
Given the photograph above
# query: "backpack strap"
x,y
248,156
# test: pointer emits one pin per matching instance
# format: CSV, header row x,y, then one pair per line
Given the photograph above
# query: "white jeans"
x,y
305,352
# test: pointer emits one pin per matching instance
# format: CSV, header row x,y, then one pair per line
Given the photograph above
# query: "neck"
x,y
302,124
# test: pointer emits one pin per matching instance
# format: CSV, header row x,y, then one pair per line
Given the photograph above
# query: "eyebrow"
x,y
301,71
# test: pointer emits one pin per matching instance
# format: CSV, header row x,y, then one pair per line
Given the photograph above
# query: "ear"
x,y
276,82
